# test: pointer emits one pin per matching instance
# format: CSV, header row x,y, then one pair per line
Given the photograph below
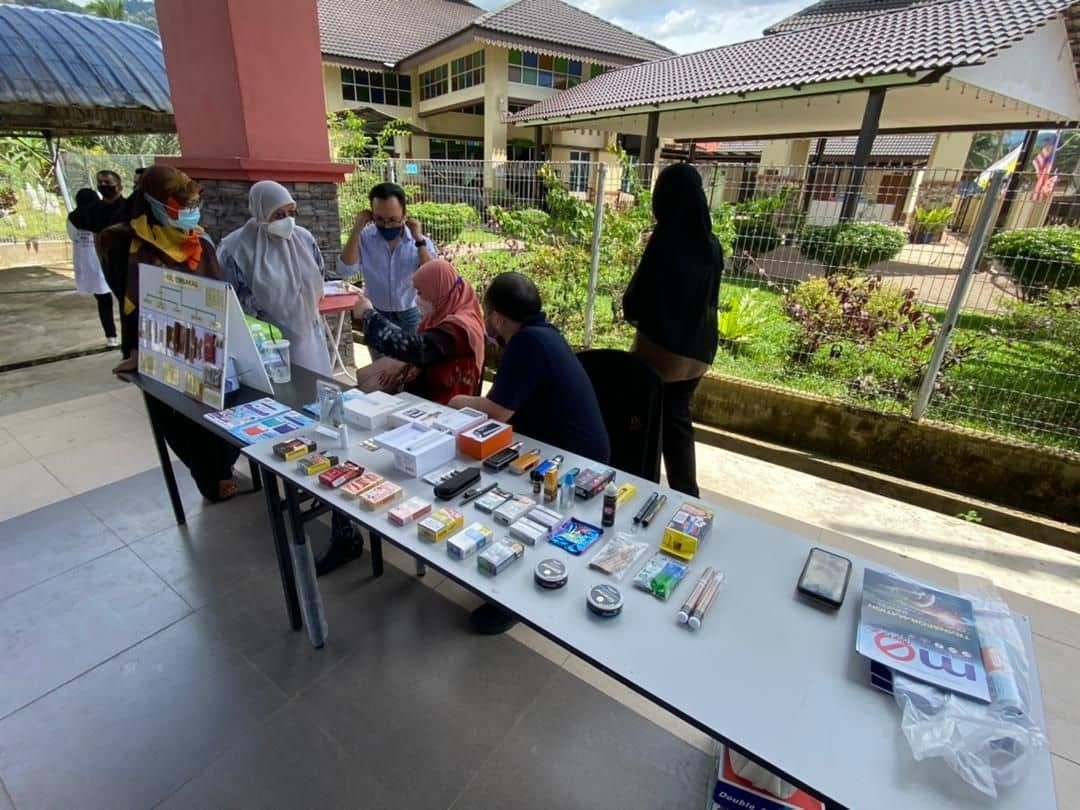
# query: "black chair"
x,y
631,401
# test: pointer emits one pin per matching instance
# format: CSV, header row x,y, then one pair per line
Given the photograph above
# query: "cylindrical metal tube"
x,y
692,600
703,605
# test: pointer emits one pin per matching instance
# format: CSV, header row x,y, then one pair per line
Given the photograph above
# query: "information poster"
x,y
184,335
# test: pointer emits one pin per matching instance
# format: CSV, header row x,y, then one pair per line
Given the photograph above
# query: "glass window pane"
x,y
561,64
376,79
405,82
480,56
515,57
363,94
347,92
546,79
405,98
361,77
528,76
514,74
547,61
573,81
346,75
575,68
377,95
391,97
561,82
531,59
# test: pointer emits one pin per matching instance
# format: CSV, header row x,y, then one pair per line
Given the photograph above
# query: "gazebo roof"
x,y
76,74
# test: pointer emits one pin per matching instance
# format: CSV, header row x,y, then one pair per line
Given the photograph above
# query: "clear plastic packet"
x,y
617,555
986,745
661,575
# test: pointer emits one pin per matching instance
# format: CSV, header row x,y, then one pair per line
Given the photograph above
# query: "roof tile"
x,y
944,34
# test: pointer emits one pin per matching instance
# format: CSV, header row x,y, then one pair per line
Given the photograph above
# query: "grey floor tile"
x,y
135,729
49,541
214,551
5,799
286,764
66,625
577,748
139,506
425,696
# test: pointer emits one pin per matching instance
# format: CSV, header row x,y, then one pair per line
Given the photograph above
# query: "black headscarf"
x,y
672,297
85,215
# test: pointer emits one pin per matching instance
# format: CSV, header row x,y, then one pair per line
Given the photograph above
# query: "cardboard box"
x,y
459,421
485,439
423,413
685,531
412,509
440,524
380,495
733,792
358,486
464,544
417,449
372,411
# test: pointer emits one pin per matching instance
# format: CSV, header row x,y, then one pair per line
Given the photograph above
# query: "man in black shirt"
x,y
540,388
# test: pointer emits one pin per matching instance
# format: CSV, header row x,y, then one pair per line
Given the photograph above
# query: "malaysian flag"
x,y
1044,165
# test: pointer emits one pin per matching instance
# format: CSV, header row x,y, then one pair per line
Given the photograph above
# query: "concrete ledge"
x,y
48,252
1013,474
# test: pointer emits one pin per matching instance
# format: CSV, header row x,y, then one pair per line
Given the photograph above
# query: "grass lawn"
x,y
28,222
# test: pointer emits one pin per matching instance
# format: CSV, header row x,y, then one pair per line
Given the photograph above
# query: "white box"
x,y
372,411
460,421
417,449
420,413
734,790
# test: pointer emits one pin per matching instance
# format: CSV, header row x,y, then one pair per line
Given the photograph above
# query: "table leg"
x,y
303,561
256,478
376,553
274,507
421,569
166,463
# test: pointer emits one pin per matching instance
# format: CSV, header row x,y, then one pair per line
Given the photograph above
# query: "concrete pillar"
x,y
229,90
496,99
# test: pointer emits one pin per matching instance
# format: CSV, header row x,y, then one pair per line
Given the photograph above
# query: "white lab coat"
x,y
88,275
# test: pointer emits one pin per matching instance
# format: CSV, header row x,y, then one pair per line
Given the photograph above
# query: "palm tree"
x,y
109,9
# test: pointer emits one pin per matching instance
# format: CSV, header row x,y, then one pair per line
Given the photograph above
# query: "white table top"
x,y
766,672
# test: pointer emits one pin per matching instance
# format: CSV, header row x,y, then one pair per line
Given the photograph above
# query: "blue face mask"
x,y
188,218
389,234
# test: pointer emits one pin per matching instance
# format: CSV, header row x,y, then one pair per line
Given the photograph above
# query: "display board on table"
x,y
193,336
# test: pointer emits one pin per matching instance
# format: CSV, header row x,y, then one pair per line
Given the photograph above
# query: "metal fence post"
x,y
594,265
979,236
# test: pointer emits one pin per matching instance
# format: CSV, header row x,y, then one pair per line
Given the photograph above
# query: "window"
x,y
472,109
579,171
542,70
446,149
468,71
629,177
434,83
372,87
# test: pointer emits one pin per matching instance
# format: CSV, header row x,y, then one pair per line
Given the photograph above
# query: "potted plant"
x,y
930,224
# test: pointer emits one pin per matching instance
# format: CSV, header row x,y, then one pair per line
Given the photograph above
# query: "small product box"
x,y
548,518
513,510
294,449
742,784
528,532
440,524
316,463
361,484
417,449
380,495
499,555
464,544
491,501
412,509
339,476
485,439
423,414
591,483
372,411
686,529
459,421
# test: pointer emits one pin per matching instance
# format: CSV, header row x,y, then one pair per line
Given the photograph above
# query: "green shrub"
x,y
500,197
745,317
1056,317
528,224
1039,259
857,245
444,221
755,235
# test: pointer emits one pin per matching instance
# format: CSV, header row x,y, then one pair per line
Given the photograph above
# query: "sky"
x,y
690,25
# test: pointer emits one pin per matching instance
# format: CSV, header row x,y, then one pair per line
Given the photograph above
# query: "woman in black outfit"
x,y
672,301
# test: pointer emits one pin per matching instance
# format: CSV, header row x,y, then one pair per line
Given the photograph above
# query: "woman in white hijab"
x,y
276,268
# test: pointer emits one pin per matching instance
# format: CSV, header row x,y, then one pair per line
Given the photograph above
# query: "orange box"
x,y
484,439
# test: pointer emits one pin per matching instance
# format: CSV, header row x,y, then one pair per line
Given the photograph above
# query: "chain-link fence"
x,y
839,280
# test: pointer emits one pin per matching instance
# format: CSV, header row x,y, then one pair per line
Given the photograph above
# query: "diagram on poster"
x,y
189,328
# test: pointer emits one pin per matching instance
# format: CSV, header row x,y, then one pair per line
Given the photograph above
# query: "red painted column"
x,y
247,89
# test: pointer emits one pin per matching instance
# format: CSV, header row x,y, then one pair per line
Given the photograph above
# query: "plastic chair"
x,y
631,402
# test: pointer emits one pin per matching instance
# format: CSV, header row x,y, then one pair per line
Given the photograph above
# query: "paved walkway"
x,y
71,432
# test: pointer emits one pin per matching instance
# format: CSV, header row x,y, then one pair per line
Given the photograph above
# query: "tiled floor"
x,y
148,665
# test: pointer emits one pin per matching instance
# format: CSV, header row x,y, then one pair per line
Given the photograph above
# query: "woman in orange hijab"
x,y
446,356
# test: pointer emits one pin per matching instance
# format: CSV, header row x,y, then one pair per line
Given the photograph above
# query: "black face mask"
x,y
108,192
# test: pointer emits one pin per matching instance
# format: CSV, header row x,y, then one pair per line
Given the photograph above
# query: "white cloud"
x,y
693,25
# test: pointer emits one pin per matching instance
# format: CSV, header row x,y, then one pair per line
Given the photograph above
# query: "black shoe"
x,y
344,548
490,620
